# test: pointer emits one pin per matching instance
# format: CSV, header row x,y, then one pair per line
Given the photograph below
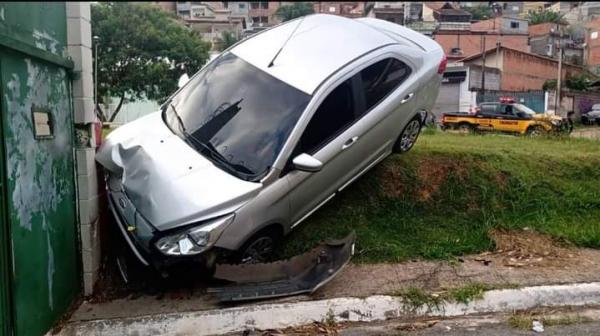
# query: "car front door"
x,y
348,134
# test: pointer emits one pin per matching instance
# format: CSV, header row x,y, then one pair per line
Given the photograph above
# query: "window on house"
x,y
331,9
264,19
241,6
381,78
456,51
514,24
264,5
335,113
254,5
504,5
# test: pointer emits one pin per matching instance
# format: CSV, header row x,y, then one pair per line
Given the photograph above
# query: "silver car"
x,y
267,133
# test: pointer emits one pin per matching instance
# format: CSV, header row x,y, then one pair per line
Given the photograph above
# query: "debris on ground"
x,y
537,326
316,328
527,248
416,325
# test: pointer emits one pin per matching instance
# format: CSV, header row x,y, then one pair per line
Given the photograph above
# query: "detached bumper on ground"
x,y
299,275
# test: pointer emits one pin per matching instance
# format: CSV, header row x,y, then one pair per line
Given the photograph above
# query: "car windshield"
x,y
236,115
524,108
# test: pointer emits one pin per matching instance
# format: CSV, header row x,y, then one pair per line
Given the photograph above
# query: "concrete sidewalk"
x,y
338,310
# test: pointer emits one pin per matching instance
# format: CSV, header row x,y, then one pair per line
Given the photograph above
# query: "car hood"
x,y
168,182
546,116
593,113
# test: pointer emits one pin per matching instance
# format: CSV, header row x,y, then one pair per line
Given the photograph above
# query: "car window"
x,y
381,78
488,108
334,114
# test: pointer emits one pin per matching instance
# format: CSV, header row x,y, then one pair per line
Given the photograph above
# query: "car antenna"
x,y
286,41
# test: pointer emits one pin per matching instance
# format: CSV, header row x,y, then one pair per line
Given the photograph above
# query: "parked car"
x,y
267,133
505,116
591,117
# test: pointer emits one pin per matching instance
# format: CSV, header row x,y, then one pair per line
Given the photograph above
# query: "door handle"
x,y
349,143
407,98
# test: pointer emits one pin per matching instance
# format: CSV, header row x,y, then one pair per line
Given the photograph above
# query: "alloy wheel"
x,y
259,251
409,136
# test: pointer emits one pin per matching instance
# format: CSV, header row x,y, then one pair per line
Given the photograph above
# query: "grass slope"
x,y
443,197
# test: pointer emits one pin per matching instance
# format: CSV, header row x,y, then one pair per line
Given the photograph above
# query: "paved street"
x,y
484,326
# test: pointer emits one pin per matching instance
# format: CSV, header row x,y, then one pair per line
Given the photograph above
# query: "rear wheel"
x,y
409,136
464,128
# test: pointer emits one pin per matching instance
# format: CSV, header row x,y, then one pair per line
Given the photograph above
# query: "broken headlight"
x,y
195,239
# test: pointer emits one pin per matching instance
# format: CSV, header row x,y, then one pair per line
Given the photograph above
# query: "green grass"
x,y
441,199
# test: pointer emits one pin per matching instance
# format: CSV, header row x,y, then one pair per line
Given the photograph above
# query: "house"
x,y
520,70
534,6
592,49
546,38
389,11
349,9
448,16
506,25
511,8
262,13
211,19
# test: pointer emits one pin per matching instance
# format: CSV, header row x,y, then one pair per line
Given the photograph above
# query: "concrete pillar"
x,y
79,44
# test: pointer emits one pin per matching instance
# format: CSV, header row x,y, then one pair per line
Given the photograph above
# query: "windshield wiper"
x,y
178,119
214,153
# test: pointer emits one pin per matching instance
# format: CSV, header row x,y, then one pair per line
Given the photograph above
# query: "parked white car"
x,y
267,133
591,117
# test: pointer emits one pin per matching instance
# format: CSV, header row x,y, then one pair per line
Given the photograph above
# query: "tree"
x,y
295,10
536,17
479,12
228,39
142,52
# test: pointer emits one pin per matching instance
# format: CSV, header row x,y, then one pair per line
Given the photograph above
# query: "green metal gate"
x,y
39,225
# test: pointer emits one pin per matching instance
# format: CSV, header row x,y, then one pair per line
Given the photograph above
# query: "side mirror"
x,y
183,80
307,163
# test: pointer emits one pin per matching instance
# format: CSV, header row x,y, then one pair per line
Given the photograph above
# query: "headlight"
x,y
195,239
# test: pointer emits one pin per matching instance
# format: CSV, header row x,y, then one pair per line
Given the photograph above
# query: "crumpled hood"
x,y
168,182
546,116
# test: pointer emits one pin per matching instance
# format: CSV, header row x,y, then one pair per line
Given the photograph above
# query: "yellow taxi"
x,y
505,116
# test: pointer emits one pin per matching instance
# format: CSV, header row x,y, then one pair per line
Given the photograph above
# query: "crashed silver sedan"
x,y
265,134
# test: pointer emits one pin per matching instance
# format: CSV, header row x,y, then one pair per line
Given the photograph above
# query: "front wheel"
x,y
409,135
535,131
260,247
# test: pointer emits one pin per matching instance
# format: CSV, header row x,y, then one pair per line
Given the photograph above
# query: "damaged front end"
x,y
302,274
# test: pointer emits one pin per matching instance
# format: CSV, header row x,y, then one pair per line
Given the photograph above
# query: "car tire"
x,y
464,128
260,247
409,135
535,131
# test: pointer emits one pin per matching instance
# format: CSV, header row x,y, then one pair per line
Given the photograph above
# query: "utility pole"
x,y
558,81
483,67
96,40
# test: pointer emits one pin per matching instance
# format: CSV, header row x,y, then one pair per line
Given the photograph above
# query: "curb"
x,y
373,308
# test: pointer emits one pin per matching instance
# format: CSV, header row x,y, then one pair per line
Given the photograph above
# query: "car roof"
x,y
320,46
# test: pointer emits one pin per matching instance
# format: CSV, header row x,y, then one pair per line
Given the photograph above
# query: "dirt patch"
x,y
527,248
433,173
392,180
502,179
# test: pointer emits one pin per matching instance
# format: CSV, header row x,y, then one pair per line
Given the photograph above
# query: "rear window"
x,y
381,78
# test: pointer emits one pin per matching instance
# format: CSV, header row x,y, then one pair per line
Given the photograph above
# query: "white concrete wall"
x,y
79,44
